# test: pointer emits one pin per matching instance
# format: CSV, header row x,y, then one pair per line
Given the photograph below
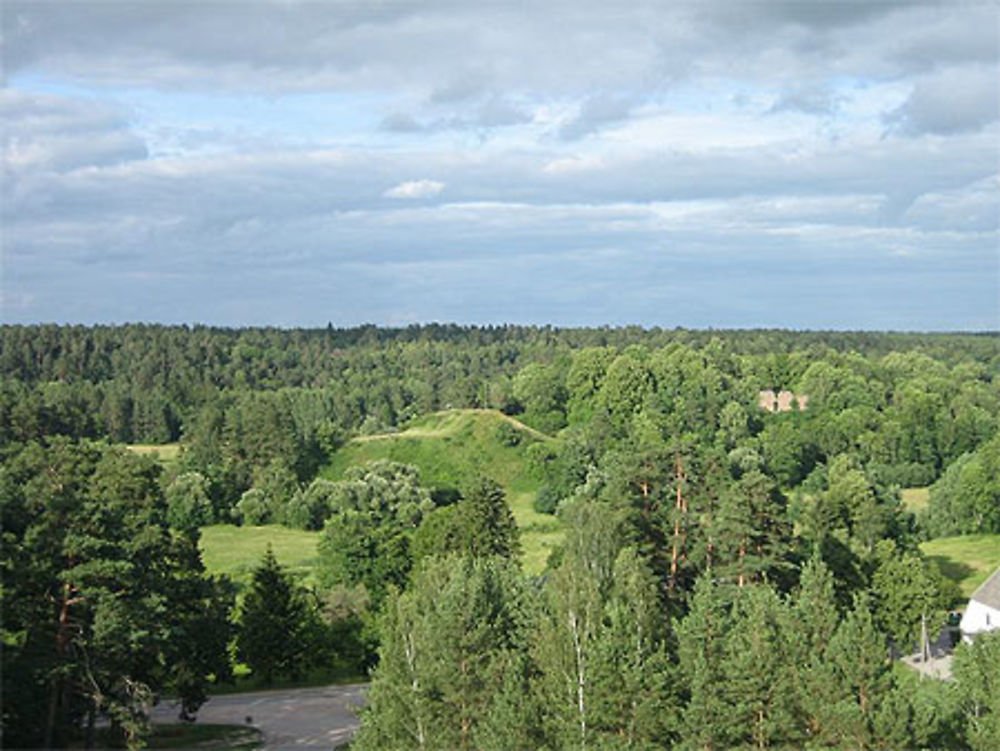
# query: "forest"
x,y
732,569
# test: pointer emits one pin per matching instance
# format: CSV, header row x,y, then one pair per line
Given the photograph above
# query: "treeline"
x,y
262,408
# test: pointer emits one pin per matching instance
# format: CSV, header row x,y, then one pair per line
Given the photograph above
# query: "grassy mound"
x,y
452,447
966,560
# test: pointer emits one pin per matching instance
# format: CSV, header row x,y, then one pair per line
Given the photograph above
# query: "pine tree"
x,y
759,684
701,649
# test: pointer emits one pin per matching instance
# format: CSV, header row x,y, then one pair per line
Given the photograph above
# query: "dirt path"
x,y
305,718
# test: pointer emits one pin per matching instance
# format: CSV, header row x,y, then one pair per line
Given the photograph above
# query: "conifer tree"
x,y
273,623
859,660
759,683
814,620
488,526
701,649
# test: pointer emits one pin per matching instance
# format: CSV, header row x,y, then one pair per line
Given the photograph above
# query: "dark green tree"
x,y
274,622
487,524
100,598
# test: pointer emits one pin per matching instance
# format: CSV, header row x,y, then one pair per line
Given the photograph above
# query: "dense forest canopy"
x,y
731,574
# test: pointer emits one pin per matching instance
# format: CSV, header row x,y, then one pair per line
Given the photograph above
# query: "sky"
x,y
725,163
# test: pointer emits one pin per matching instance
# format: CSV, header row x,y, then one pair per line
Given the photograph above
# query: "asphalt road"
x,y
304,718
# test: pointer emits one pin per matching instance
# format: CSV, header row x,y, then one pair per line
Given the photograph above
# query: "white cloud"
x,y
415,189
617,148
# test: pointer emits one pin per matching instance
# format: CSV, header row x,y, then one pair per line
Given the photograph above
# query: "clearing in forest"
x,y
237,551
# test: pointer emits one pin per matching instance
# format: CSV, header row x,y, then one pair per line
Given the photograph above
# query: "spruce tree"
x,y
488,526
813,623
273,623
759,683
858,658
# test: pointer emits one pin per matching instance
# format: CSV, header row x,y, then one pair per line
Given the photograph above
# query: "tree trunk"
x,y
574,626
680,506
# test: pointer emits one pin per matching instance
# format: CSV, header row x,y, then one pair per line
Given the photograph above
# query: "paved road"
x,y
304,718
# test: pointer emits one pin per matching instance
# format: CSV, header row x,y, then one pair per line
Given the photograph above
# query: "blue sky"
x,y
726,163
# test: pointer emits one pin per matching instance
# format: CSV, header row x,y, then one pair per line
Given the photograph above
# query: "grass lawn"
x,y
967,560
915,499
450,448
237,551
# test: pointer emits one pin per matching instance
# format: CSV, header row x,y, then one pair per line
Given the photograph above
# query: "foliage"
x,y
966,500
722,575
102,604
445,644
373,514
977,671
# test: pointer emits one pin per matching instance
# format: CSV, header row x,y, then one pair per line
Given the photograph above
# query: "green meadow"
x,y
237,551
966,560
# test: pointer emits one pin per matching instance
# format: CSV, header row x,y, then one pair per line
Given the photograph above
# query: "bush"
x,y
507,435
547,500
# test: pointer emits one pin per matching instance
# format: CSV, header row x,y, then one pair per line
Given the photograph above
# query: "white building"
x,y
983,611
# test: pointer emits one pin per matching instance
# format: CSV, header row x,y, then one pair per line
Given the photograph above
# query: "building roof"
x,y
988,592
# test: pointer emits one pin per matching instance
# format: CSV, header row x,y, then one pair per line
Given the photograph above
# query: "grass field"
x,y
915,499
236,551
452,447
967,560
166,452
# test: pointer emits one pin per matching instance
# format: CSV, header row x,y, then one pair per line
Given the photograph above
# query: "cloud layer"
x,y
726,164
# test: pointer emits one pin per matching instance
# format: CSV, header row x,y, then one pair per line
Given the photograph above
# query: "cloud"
x,y
950,101
401,122
415,189
812,100
602,165
595,112
44,132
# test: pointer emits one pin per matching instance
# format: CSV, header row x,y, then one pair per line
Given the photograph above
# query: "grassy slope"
x,y
966,560
450,448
